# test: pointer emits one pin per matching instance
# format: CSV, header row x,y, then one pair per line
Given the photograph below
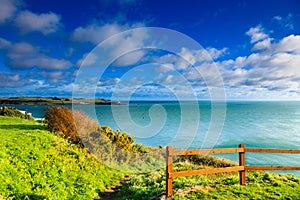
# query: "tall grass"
x,y
260,185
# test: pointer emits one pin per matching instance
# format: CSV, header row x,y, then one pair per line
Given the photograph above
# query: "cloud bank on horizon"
x,y
255,46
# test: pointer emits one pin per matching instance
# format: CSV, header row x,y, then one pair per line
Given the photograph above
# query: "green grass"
x,y
260,185
37,164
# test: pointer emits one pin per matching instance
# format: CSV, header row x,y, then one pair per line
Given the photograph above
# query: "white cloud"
x,y
202,55
118,46
24,55
45,62
277,18
290,43
51,75
187,57
41,62
257,34
259,39
21,50
95,33
264,44
87,60
12,80
134,41
129,58
4,44
45,22
7,9
273,71
109,82
270,70
164,68
216,53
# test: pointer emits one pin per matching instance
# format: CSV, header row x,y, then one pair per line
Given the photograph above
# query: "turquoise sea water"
x,y
185,125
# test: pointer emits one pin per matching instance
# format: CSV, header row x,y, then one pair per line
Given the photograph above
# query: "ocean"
x,y
189,125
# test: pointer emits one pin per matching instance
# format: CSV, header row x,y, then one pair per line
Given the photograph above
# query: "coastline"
x,y
53,101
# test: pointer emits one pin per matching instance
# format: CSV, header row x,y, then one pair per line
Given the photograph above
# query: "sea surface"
x,y
189,125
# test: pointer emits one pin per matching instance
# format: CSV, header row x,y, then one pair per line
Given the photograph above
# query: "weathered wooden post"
x,y
242,163
169,171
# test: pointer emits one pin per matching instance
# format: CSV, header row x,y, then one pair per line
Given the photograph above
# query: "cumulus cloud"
x,y
13,80
45,62
40,61
259,39
257,34
290,44
216,53
9,77
7,9
95,33
109,82
202,55
129,58
187,57
273,69
87,60
45,23
51,75
119,45
164,68
21,49
24,56
264,44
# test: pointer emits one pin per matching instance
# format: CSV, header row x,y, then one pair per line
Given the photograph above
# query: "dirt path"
x,y
108,194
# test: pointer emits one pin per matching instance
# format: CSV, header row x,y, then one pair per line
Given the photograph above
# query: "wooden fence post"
x,y
169,171
242,163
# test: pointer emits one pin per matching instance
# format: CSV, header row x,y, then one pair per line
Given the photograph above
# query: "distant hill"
x,y
52,101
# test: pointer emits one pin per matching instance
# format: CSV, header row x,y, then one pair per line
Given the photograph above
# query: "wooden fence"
x,y
241,168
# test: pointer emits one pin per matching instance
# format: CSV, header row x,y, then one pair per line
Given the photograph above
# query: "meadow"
x,y
38,164
260,185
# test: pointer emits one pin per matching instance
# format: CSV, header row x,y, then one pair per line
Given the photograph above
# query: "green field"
x,y
260,185
37,164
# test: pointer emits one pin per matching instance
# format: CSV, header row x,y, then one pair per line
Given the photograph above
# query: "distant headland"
x,y
53,101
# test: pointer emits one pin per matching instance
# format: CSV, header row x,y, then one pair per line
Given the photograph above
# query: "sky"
x,y
238,49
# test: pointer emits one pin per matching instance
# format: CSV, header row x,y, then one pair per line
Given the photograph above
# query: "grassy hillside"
x,y
36,164
260,185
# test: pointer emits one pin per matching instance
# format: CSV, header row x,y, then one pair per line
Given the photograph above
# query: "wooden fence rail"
x,y
241,168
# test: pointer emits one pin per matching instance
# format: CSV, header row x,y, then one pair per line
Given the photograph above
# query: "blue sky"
x,y
254,45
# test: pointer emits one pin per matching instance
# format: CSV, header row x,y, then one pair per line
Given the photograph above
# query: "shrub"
x,y
13,112
114,148
123,140
70,124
